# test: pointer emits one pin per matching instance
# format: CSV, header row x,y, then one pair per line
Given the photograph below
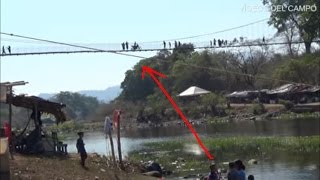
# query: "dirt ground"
x,y
68,168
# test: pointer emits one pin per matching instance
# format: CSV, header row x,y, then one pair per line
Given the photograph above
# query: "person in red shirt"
x,y
7,131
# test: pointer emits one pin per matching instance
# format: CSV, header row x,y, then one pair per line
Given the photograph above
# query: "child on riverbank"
x,y
213,175
232,174
81,149
240,170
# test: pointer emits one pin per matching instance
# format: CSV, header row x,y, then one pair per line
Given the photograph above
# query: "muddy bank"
x,y
65,168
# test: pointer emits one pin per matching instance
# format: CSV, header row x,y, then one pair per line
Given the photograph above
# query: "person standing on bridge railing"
x,y
164,45
3,50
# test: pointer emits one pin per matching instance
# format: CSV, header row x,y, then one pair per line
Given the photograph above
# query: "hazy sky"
x,y
105,21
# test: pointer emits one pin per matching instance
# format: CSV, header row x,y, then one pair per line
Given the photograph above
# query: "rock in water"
x,y
252,161
155,167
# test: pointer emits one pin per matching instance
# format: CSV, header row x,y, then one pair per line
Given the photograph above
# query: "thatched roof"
x,y
43,105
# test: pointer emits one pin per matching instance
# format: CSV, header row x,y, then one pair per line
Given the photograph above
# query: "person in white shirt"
x,y
107,125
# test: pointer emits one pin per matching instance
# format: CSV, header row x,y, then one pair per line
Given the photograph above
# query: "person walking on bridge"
x,y
3,50
9,49
127,45
123,46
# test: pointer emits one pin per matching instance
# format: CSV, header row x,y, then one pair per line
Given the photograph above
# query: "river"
x,y
278,167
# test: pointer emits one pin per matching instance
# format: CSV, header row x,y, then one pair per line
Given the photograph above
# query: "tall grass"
x,y
226,149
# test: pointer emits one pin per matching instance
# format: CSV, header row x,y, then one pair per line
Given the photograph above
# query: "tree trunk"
x,y
308,47
290,48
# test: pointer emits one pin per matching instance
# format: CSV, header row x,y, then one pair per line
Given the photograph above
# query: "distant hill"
x,y
106,95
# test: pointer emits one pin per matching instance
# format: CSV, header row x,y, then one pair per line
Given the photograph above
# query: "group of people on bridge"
x,y
125,46
176,44
4,50
220,43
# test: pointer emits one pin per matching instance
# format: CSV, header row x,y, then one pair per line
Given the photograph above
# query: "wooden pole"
x,y
112,147
10,123
119,143
10,108
37,119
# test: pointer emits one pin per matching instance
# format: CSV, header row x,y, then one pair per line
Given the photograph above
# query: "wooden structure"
x,y
116,121
4,158
6,90
296,93
39,104
58,146
34,142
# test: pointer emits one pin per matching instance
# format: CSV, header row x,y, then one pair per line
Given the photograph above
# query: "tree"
x,y
134,88
305,69
290,34
78,106
212,101
306,21
250,64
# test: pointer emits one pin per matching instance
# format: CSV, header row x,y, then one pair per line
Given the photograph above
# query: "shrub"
x,y
287,104
258,109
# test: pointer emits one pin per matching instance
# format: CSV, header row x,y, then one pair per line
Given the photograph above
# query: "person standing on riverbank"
x,y
241,175
107,125
81,149
232,174
213,175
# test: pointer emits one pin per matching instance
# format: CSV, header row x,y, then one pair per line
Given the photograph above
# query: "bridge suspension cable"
x,y
185,64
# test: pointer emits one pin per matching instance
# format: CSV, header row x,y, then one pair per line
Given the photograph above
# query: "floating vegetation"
x,y
182,155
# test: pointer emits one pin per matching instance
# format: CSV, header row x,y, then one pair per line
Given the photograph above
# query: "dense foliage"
x,y
78,106
220,71
305,21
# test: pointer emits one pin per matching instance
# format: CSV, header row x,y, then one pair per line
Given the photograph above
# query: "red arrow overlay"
x,y
152,73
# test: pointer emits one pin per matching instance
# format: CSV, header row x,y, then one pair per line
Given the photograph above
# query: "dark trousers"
x,y
83,158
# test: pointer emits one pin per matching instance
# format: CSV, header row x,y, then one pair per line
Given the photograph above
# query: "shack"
x,y
38,141
296,93
248,96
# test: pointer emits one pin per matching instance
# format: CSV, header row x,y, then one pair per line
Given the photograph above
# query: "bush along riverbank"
x,y
184,157
72,127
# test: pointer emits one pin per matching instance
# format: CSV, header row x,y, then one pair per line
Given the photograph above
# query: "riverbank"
x,y
183,157
239,114
65,168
